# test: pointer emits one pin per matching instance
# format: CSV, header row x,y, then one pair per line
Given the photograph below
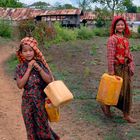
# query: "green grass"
x,y
12,62
135,48
112,137
4,41
93,50
133,134
119,120
136,95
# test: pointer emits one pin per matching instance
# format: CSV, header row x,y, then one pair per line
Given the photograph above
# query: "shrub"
x,y
135,48
101,32
5,29
65,34
100,22
139,29
135,35
84,33
26,27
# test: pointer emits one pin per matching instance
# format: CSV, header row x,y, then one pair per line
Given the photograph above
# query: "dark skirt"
x,y
36,119
125,99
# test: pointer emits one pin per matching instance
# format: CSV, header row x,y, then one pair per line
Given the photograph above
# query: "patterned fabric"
x,y
118,52
113,26
33,104
30,41
122,50
125,99
111,49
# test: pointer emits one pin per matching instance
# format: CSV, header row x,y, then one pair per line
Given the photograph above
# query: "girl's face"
x,y
28,52
120,26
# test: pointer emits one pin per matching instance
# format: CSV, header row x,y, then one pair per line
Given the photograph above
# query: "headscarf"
x,y
113,26
30,41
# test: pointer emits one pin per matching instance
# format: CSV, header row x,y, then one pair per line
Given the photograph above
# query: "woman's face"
x,y
120,26
28,52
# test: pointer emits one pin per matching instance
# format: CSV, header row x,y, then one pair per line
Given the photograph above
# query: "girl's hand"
x,y
36,65
31,64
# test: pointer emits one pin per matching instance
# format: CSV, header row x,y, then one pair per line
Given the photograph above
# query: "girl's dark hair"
x,y
20,48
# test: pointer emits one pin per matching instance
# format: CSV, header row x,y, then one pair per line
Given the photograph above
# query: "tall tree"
x,y
138,9
84,4
103,16
110,4
10,3
119,5
130,8
65,6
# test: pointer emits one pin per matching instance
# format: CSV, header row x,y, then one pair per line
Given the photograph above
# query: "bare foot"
x,y
106,111
129,119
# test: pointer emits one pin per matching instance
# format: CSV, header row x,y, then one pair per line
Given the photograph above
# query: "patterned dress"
x,y
33,105
120,61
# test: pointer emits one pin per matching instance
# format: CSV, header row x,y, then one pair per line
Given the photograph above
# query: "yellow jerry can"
x,y
109,89
52,111
58,93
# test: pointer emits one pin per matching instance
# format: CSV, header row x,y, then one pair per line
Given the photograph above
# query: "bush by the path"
x,y
5,29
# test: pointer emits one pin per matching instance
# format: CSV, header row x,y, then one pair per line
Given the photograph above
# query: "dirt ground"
x,y
11,123
70,127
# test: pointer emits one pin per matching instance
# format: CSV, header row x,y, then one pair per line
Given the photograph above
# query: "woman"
x,y
120,62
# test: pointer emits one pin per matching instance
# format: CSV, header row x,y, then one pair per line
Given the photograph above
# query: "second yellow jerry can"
x,y
52,111
109,89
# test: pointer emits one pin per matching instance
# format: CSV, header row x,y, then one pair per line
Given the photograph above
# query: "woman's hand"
x,y
111,73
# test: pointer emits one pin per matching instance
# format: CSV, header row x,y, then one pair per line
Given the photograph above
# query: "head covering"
x,y
30,41
113,26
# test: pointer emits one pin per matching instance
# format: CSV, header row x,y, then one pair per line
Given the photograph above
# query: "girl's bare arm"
x,y
46,77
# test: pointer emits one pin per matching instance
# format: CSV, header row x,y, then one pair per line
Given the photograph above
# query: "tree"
x,y
40,5
138,9
84,4
103,16
118,5
10,3
68,6
110,4
130,8
65,6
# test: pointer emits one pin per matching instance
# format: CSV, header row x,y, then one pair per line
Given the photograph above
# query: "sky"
x,y
49,1
73,2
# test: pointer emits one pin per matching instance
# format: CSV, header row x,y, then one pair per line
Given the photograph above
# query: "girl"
x,y
120,62
33,74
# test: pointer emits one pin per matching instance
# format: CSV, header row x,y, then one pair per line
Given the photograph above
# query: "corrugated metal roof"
x,y
61,12
26,13
19,13
88,16
130,16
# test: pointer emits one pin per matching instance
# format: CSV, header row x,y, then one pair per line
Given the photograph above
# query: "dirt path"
x,y
11,123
